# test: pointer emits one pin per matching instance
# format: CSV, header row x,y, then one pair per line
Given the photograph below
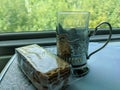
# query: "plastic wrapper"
x,y
45,70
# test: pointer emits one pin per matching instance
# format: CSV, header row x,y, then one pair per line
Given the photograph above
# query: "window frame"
x,y
10,41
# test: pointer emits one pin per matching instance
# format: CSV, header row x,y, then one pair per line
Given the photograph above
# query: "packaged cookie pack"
x,y
45,70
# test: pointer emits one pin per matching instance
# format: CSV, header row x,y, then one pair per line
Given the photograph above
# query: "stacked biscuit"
x,y
45,70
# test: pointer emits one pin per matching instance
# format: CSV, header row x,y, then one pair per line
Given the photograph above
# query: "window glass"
x,y
39,15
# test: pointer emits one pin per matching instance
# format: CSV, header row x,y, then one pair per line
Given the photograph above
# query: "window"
x,y
21,20
39,15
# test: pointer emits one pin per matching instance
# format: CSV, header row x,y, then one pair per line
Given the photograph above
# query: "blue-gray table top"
x,y
104,71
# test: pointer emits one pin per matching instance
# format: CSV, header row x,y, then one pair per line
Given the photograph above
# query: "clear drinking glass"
x,y
73,39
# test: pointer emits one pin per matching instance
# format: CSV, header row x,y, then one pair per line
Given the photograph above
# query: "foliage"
x,y
38,15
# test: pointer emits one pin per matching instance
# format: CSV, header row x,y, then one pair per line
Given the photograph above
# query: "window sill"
x,y
7,47
51,40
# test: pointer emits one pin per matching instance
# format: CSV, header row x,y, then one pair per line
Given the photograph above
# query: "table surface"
x,y
104,71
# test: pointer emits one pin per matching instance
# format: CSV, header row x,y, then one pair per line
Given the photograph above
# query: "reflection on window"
x,y
38,15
